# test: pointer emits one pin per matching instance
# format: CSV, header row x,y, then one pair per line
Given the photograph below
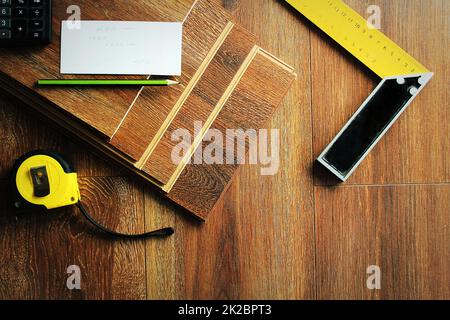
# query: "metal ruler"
x,y
403,78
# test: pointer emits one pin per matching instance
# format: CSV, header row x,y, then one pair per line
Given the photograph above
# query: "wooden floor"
x,y
294,235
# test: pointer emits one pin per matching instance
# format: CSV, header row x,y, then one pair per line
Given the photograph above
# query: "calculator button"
x,y
5,23
19,28
36,13
36,24
5,12
25,22
20,13
36,35
19,3
5,34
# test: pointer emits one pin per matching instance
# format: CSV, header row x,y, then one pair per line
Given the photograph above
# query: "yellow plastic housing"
x,y
64,190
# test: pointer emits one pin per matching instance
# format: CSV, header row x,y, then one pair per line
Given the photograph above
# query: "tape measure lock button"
x,y
41,185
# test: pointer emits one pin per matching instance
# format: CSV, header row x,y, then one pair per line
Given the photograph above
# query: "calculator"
x,y
25,22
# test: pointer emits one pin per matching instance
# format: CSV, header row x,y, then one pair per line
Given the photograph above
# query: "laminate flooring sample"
x,y
227,82
200,186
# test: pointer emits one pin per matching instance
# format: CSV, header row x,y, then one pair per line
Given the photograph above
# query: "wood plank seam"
x,y
278,61
197,76
212,118
128,111
200,103
190,10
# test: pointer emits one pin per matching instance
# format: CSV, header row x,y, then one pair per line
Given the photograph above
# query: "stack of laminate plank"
x,y
228,81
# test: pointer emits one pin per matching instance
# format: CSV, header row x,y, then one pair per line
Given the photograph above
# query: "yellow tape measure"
x,y
402,79
43,180
369,45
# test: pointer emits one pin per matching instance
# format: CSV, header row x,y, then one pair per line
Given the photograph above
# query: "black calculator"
x,y
25,22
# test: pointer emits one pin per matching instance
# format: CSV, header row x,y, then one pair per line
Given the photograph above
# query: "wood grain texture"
x,y
261,239
92,106
341,84
201,30
391,227
36,249
202,101
164,257
206,27
20,134
24,130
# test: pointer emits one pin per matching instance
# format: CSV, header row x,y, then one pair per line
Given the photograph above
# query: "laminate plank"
x,y
36,249
250,106
164,257
92,106
258,242
201,30
201,103
274,215
405,230
237,253
341,84
118,203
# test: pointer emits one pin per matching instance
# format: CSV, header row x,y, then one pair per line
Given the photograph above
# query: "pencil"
x,y
105,82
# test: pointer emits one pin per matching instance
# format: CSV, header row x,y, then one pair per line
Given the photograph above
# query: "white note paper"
x,y
121,47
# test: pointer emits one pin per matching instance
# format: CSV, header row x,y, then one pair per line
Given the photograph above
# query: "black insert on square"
x,y
370,123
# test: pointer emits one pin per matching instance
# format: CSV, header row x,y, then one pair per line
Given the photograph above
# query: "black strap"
x,y
157,233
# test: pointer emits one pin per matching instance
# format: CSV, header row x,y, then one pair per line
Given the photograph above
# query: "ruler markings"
x,y
369,45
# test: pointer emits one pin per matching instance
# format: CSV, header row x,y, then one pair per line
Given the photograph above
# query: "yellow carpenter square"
x,y
402,80
352,31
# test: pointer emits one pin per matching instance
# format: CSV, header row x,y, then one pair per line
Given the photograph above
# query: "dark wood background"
x,y
294,235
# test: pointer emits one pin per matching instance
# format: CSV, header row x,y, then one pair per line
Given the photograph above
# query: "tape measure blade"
x,y
369,45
